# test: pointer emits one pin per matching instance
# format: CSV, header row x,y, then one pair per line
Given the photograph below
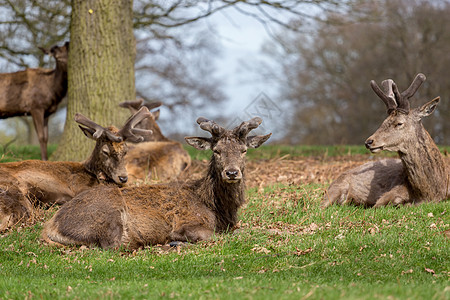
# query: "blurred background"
x,y
303,66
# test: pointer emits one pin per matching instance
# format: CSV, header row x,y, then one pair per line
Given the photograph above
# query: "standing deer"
x,y
36,181
155,214
420,175
158,158
36,92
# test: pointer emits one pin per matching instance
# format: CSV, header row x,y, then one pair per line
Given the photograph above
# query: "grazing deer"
x,y
420,175
36,92
154,214
158,158
26,182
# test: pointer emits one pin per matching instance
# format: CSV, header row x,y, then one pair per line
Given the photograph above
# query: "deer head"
x,y
229,146
148,123
403,125
107,159
59,53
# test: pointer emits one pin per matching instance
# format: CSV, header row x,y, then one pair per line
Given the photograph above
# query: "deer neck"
x,y
90,165
425,168
223,198
60,80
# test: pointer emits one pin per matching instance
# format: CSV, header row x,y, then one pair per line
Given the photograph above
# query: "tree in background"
x,y
325,70
96,24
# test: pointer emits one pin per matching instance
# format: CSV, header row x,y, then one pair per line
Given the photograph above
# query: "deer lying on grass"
x,y
36,92
154,214
34,181
158,158
420,175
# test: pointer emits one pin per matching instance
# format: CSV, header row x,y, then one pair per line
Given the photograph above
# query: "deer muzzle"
x,y
370,145
232,175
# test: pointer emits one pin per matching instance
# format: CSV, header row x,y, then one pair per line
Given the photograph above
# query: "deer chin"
x,y
376,149
232,180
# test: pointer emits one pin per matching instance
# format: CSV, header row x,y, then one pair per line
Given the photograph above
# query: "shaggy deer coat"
x,y
36,92
155,214
158,158
420,175
25,183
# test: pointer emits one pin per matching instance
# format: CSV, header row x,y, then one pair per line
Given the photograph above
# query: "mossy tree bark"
x,y
100,72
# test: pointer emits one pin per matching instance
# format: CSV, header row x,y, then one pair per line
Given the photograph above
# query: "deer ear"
x,y
428,108
156,114
200,143
88,132
255,141
45,51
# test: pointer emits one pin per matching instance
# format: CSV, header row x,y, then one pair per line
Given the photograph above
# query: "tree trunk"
x,y
100,71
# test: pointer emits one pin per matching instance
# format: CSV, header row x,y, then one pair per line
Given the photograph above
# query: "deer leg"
x,y
191,233
396,196
14,207
337,193
40,126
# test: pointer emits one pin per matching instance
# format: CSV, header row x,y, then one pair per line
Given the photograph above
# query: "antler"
x,y
247,126
210,126
136,104
387,96
99,130
395,100
412,89
135,135
152,105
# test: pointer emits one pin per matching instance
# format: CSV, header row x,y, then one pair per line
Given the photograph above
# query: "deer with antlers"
x,y
419,175
36,92
154,214
25,183
158,158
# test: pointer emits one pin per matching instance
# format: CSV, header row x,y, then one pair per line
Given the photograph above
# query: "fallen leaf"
x,y
302,252
430,271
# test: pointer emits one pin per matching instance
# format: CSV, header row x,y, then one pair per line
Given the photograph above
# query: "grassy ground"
x,y
285,247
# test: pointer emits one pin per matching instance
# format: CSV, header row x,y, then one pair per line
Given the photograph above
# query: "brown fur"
x,y
36,92
36,181
153,214
161,161
158,158
420,175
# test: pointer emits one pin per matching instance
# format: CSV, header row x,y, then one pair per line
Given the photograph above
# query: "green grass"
x,y
275,151
17,153
285,247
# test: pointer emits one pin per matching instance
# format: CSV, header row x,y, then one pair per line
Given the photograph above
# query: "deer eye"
x,y
216,152
243,151
398,124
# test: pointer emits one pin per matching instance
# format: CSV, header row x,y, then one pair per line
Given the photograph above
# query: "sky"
x,y
241,39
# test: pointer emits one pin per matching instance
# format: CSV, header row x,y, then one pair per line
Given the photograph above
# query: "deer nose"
x,y
368,143
123,179
232,174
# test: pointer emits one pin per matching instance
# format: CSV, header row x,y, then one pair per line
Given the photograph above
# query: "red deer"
x,y
43,182
36,92
154,214
159,158
419,175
